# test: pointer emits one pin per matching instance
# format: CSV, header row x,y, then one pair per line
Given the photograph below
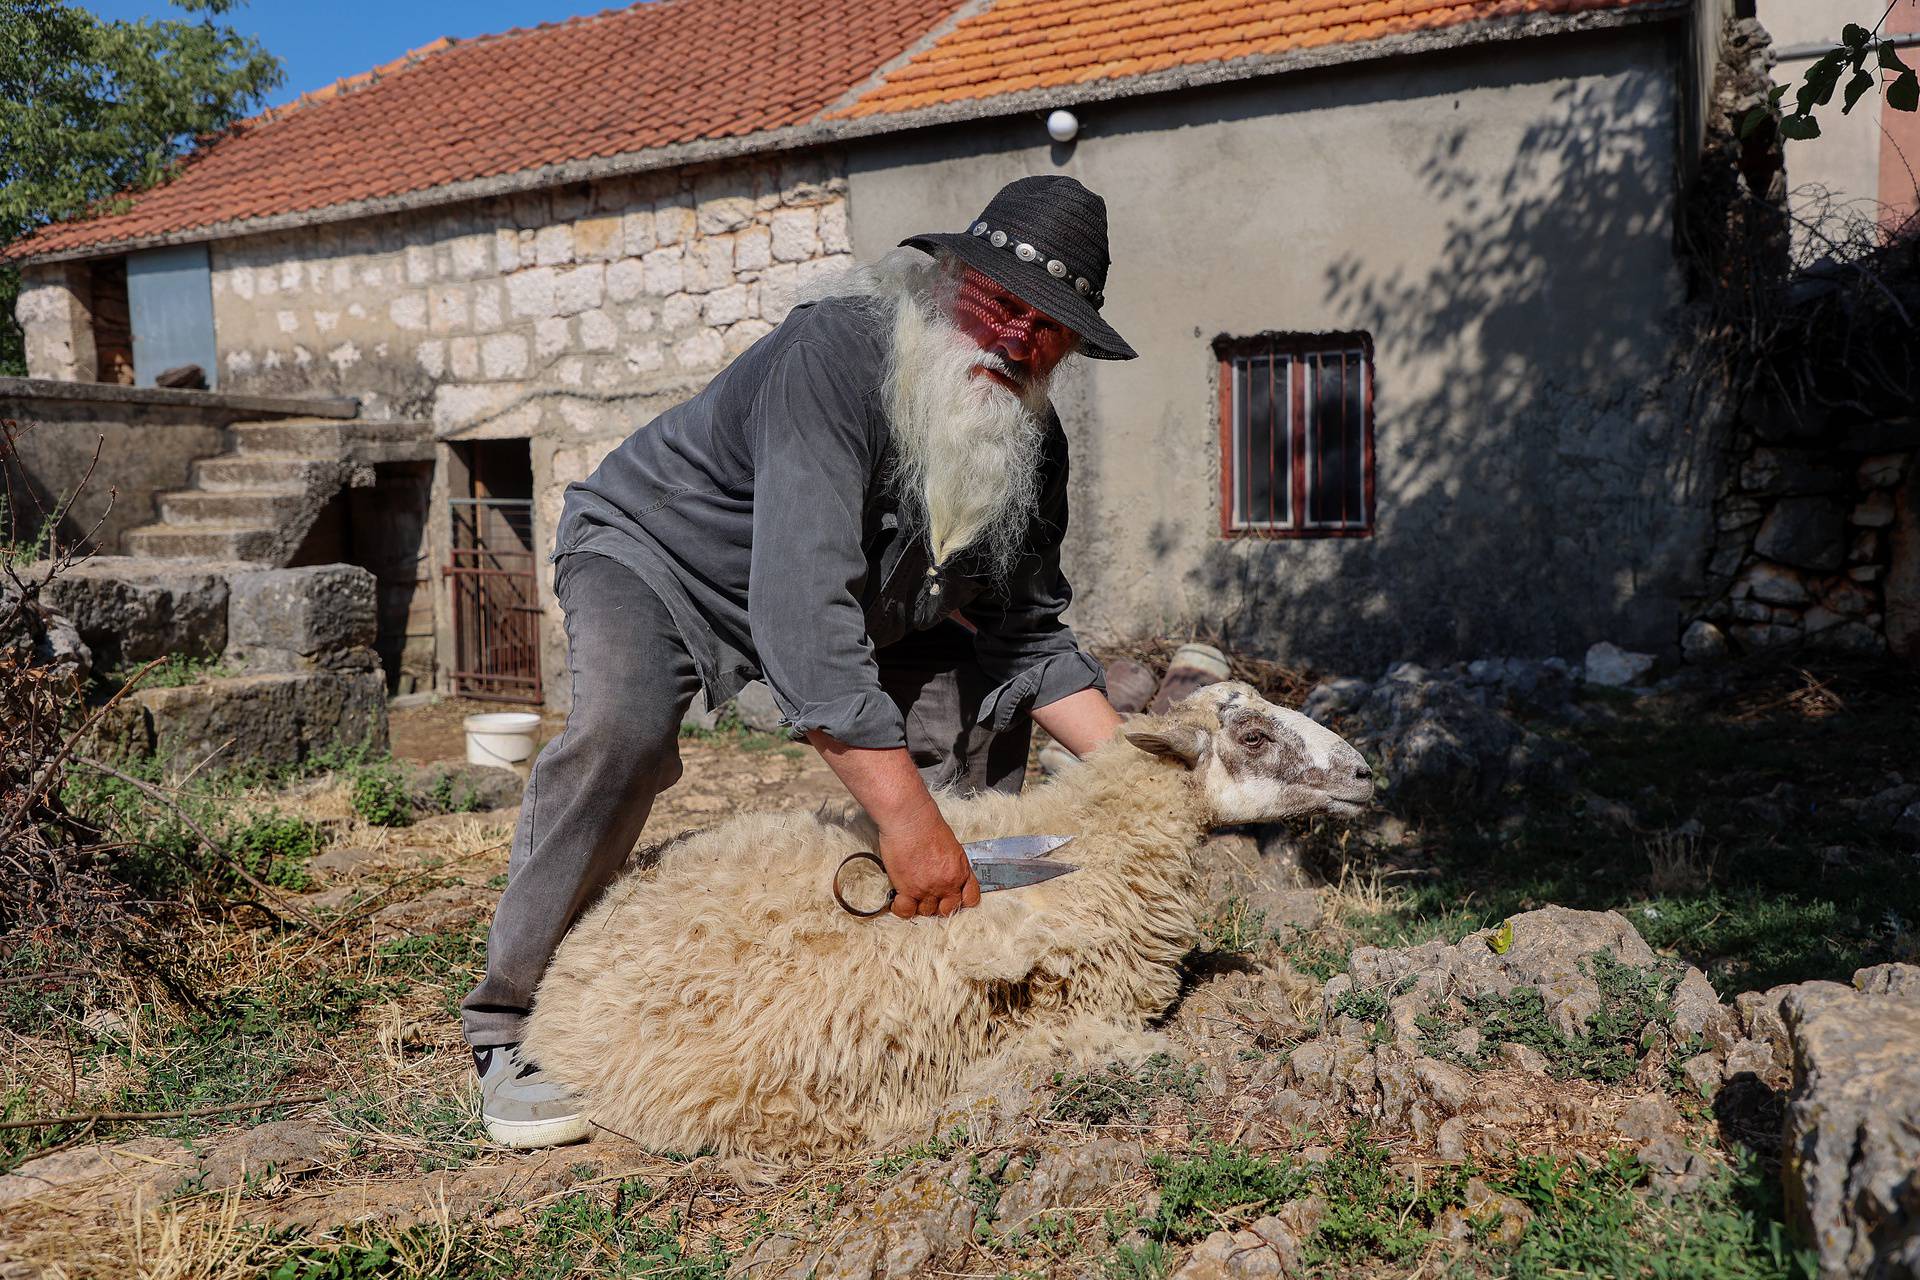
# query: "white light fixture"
x,y
1062,125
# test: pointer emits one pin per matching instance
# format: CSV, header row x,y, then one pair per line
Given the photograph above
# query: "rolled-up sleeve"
x,y
813,458
1019,639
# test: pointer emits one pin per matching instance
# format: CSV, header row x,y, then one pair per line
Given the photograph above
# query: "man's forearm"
x,y
925,863
1081,722
882,779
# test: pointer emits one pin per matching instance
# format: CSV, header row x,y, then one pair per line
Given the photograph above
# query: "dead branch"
x,y
185,1113
284,906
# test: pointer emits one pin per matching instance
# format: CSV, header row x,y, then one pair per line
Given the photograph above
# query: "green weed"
x,y
348,1262
1146,1261
1777,907
1314,958
1594,1219
274,847
379,795
17,552
1118,1092
1373,1212
599,1232
444,798
174,671
938,1147
1215,1183
1609,1050
1368,1005
1235,928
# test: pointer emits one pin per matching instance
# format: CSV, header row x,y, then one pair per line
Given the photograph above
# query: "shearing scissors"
x,y
1004,862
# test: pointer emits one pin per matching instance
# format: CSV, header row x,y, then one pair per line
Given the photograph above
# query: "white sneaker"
x,y
520,1106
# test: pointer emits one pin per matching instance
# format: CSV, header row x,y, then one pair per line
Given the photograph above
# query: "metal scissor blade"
x,y
1016,873
1012,847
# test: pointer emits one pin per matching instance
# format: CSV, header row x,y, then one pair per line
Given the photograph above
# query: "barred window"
x,y
1296,435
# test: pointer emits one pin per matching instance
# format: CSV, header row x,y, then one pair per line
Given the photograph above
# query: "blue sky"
x,y
320,41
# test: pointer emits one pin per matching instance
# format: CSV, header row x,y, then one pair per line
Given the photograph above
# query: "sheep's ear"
x,y
1178,741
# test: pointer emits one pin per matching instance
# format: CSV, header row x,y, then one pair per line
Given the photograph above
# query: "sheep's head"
x,y
1254,761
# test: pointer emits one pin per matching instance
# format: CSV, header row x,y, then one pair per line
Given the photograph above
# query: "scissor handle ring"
x,y
848,907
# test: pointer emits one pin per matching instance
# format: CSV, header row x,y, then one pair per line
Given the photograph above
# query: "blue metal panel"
x,y
170,299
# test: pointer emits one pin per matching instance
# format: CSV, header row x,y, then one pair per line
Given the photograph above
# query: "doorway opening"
x,y
112,321
490,573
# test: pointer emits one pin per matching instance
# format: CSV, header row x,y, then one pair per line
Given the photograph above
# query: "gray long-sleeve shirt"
x,y
759,511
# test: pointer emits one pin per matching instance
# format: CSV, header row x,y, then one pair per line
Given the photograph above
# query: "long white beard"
x,y
967,450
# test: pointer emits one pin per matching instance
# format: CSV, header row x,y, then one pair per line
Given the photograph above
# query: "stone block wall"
x,y
567,317
294,644
1818,539
480,313
54,311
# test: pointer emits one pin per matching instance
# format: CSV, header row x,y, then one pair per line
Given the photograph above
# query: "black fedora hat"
x,y
1044,240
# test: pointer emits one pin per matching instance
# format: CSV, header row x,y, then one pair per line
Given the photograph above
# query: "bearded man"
x,y
865,510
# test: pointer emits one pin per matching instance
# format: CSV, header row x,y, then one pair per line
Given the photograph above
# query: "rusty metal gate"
x,y
496,607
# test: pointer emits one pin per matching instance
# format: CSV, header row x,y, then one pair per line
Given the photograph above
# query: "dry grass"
x,y
1679,861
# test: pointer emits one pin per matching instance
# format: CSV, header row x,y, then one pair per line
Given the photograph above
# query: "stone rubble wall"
x,y
1817,542
467,314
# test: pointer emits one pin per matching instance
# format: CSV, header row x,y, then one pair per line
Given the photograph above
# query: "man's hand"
x,y
930,872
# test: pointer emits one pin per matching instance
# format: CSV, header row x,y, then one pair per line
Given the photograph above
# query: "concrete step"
x,y
263,508
324,438
200,542
253,472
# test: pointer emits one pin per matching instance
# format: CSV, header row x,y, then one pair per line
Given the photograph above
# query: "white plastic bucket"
x,y
502,739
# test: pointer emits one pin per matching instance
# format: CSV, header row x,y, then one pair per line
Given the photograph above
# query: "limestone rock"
x,y
1672,1167
916,1220
1448,735
1068,1174
458,787
1901,980
132,611
1703,642
1609,665
272,719
286,619
43,637
1264,1250
1697,1012
1808,533
1851,1163
1771,584
84,1164
1484,1202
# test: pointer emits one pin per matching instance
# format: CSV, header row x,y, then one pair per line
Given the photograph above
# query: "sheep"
x,y
721,1001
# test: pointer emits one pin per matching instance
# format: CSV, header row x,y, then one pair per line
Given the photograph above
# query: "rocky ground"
x,y
1618,981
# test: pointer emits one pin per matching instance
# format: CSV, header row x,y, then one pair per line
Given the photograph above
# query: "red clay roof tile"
x,y
619,81
670,71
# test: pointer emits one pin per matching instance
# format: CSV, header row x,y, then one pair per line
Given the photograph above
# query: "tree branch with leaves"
x,y
92,111
1850,58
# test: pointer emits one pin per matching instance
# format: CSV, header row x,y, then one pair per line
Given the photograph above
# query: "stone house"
x,y
1404,278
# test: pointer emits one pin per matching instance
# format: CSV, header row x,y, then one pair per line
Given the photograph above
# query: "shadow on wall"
x,y
1550,484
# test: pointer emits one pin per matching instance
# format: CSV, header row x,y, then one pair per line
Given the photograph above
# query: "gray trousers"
x,y
591,789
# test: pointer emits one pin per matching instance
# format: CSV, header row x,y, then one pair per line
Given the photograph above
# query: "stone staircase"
x,y
256,501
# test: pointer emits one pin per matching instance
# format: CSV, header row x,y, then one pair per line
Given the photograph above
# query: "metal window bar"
x,y
1262,452
492,578
1333,438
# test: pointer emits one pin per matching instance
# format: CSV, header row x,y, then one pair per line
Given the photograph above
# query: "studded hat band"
x,y
1043,239
1027,253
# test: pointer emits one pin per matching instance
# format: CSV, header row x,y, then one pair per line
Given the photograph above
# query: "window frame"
x,y
1294,347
